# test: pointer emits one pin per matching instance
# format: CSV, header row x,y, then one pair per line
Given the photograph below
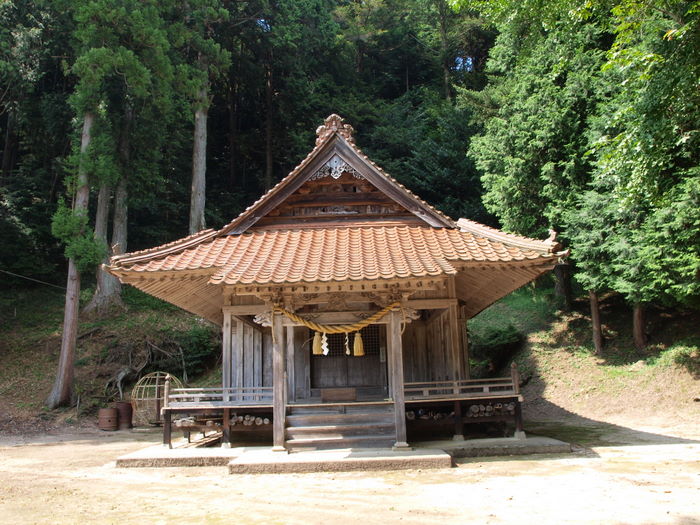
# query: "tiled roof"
x,y
333,254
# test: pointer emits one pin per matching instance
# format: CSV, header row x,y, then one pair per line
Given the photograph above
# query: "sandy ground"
x,y
617,474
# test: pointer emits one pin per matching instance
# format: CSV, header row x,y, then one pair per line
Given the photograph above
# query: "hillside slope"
x,y
563,377
150,335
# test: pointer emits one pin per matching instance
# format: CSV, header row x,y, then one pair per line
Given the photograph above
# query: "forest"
x,y
130,123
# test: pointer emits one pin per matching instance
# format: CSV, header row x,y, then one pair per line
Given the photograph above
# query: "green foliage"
x,y
418,141
532,151
137,300
636,229
80,245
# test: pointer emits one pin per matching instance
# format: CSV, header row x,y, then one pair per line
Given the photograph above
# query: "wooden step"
x,y
308,420
341,408
342,430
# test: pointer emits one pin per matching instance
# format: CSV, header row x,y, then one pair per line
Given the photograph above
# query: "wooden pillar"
x,y
226,429
456,343
464,324
166,414
290,363
396,372
226,353
459,422
237,356
278,383
302,364
167,429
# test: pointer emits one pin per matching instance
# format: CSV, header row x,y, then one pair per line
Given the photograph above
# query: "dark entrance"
x,y
366,373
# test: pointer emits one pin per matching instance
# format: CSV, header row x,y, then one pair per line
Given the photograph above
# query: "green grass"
x,y
685,353
528,309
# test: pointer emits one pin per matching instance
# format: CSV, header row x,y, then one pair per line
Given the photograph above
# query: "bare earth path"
x,y
618,475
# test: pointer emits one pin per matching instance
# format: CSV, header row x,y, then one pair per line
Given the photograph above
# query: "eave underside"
x,y
475,287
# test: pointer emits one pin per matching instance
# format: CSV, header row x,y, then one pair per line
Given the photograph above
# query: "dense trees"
x,y
595,129
178,101
528,115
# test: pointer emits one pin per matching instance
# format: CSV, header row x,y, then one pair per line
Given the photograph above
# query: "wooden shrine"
x,y
336,249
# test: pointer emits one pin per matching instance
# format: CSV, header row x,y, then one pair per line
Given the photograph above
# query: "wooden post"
x,y
290,363
459,422
515,377
519,432
237,356
167,441
396,363
226,355
456,343
278,383
464,324
226,429
166,414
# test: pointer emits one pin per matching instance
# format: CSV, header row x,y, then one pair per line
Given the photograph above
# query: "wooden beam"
x,y
336,317
430,304
278,383
376,286
246,309
396,350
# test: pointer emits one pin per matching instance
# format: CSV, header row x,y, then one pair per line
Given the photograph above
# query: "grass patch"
x,y
498,333
135,299
528,310
685,353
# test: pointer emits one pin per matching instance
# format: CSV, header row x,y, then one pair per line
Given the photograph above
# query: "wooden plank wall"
x,y
427,348
302,364
251,363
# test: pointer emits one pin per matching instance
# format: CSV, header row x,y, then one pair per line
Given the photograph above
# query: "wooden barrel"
x,y
107,419
124,411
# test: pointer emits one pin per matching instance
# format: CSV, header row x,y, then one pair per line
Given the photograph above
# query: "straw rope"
x,y
339,328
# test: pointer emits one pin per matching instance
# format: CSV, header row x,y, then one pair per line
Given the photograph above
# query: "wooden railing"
x,y
217,397
499,386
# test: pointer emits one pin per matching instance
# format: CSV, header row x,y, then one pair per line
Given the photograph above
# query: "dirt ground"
x,y
619,473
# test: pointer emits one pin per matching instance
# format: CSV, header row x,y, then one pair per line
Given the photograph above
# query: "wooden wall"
x,y
428,348
251,355
428,354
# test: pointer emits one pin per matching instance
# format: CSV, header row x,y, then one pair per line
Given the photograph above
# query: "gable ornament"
x,y
335,167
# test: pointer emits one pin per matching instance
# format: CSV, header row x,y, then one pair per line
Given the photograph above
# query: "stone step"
x,y
341,430
335,442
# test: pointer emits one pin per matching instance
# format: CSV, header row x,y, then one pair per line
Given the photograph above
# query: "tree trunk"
x,y
101,227
199,163
108,290
8,149
444,48
233,133
62,391
268,123
562,285
638,334
595,321
234,105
